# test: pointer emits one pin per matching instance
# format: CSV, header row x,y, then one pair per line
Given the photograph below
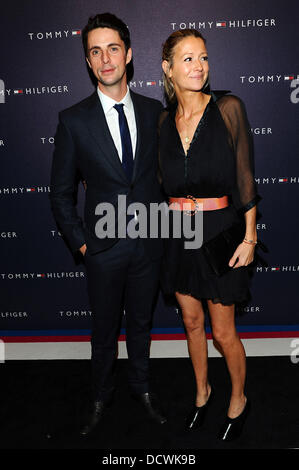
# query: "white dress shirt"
x,y
112,119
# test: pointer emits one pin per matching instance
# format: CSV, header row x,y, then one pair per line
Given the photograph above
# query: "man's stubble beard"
x,y
108,84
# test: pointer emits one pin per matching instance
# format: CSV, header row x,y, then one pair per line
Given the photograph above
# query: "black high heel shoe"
x,y
196,417
232,427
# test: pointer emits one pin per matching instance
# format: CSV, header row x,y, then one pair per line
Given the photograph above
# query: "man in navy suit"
x,y
110,141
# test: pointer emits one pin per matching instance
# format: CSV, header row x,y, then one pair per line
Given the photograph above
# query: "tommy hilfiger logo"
x,y
277,180
48,35
24,190
40,90
222,23
44,276
75,313
145,83
12,314
260,79
8,235
280,269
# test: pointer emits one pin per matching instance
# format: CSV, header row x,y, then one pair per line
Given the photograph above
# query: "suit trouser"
x,y
122,277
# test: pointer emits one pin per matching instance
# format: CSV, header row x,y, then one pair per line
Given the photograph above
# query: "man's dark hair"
x,y
106,20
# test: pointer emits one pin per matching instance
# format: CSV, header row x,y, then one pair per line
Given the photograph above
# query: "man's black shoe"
x,y
99,408
149,403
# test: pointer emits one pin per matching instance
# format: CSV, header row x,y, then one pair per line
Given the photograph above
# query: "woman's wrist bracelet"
x,y
250,242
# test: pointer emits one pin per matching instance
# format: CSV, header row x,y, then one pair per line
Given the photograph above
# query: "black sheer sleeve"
x,y
234,115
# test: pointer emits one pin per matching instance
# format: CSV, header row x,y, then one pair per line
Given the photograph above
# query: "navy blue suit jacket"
x,y
85,149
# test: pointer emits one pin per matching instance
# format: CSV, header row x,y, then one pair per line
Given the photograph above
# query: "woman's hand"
x,y
245,253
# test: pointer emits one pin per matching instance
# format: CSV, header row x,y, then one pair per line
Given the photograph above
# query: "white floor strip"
x,y
159,349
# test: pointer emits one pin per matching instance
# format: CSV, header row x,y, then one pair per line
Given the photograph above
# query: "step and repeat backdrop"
x,y
253,52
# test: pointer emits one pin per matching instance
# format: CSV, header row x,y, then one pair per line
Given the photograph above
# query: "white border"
x,y
159,349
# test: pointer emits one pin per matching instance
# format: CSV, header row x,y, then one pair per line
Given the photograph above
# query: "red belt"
x,y
191,203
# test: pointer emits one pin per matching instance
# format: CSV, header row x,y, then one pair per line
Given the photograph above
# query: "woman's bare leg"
x,y
225,334
193,317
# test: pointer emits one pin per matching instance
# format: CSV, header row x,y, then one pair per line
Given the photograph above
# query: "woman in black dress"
x,y
206,153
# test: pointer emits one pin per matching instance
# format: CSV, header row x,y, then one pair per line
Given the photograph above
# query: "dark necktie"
x,y
126,144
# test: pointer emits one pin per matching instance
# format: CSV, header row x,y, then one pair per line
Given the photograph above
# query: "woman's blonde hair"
x,y
168,52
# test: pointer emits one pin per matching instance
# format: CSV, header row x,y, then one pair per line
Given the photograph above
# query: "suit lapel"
x,y
99,129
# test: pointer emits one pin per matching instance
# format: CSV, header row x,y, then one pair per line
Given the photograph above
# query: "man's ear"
x,y
87,60
129,55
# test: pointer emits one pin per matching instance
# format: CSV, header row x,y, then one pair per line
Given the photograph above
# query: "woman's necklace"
x,y
187,138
